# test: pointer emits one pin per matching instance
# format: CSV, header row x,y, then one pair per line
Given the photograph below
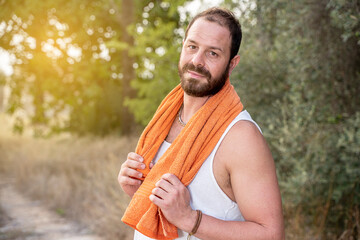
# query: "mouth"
x,y
194,74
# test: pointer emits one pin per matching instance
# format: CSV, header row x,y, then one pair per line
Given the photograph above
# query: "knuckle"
x,y
167,176
153,198
136,174
166,204
177,193
133,181
134,156
121,180
125,164
122,171
139,165
129,181
159,190
172,197
182,189
128,172
158,183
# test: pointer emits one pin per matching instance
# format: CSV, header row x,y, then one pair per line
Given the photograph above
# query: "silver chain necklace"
x,y
179,117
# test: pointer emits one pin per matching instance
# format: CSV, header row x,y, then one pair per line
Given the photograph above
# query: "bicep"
x,y
253,178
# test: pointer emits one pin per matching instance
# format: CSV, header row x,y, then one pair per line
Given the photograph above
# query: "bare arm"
x,y
255,187
254,184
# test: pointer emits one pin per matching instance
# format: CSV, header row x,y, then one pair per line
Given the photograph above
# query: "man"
x,y
234,194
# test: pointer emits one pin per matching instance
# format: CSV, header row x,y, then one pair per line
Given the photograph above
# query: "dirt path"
x,y
24,219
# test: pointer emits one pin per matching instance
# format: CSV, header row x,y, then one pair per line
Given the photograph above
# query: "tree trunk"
x,y
127,18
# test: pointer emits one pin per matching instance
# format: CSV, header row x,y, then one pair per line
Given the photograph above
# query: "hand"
x,y
173,198
128,177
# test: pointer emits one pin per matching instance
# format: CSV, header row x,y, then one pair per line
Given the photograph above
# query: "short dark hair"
x,y
225,18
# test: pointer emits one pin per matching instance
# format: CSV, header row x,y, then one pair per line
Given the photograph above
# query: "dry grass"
x,y
77,177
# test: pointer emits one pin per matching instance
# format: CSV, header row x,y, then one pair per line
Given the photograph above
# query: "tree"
x,y
299,75
157,48
74,81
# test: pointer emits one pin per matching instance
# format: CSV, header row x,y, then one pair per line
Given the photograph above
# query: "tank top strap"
x,y
244,115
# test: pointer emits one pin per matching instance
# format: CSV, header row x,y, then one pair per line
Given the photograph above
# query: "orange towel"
x,y
183,158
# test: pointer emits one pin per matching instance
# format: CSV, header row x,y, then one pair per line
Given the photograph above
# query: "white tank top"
x,y
205,193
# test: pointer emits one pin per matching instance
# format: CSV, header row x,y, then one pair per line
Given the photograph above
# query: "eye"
x,y
191,47
213,54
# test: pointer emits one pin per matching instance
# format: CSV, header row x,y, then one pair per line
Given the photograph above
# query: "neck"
x,y
192,105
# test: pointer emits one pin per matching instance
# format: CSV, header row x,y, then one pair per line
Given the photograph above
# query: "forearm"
x,y
173,198
213,229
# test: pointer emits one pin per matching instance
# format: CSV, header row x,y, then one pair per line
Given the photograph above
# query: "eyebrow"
x,y
211,47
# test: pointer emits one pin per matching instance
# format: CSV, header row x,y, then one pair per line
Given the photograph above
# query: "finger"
x,y
133,164
171,178
157,201
129,172
158,192
151,165
164,184
128,181
135,156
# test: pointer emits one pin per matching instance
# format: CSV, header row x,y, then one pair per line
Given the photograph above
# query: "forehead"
x,y
209,34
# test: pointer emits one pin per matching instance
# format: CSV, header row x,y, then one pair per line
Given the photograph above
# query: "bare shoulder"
x,y
246,155
243,130
243,142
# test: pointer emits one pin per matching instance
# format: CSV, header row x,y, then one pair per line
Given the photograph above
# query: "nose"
x,y
198,59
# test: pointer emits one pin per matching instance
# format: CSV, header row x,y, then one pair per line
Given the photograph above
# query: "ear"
x,y
233,63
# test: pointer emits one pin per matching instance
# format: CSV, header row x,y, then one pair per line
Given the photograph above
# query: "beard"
x,y
197,88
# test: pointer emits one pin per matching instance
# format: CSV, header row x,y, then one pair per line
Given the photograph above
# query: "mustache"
x,y
200,70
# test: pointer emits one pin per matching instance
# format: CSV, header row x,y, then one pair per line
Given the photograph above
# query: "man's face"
x,y
204,60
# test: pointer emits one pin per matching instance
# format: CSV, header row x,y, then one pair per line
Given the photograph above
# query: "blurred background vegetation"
x,y
102,67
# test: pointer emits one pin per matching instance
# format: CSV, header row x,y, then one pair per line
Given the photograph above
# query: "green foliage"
x,y
300,79
157,49
119,42
72,81
345,15
348,146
